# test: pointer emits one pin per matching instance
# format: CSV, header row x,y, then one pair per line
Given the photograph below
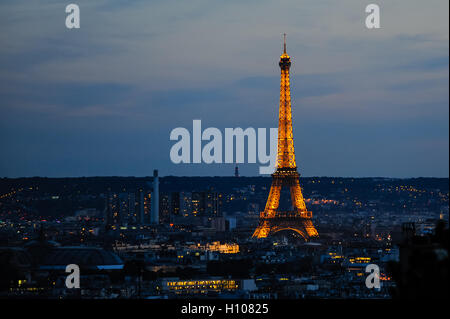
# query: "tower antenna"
x,y
284,35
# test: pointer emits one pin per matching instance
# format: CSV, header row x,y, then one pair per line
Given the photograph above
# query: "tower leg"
x,y
262,231
297,197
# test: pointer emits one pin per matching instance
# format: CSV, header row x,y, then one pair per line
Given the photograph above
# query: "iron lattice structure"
x,y
286,175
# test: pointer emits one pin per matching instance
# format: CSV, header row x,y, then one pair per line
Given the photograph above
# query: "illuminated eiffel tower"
x,y
297,219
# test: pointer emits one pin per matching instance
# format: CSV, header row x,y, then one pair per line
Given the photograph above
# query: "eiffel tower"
x,y
298,219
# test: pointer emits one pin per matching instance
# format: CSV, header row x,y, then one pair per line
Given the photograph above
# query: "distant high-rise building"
x,y
198,203
175,203
185,204
230,223
206,204
110,209
164,208
169,206
143,205
147,207
127,208
140,209
218,223
121,209
213,204
154,217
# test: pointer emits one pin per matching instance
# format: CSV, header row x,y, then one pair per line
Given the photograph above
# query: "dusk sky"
x,y
102,100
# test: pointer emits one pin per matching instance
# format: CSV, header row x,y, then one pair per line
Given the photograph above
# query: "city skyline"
x,y
202,245
148,154
103,99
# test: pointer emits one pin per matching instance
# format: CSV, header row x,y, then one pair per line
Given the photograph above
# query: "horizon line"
x,y
209,176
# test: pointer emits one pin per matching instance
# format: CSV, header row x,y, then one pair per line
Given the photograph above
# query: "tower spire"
x,y
284,36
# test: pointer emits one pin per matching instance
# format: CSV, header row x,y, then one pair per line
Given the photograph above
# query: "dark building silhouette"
x,y
422,271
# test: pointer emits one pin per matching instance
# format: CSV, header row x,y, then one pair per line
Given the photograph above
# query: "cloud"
x,y
137,69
